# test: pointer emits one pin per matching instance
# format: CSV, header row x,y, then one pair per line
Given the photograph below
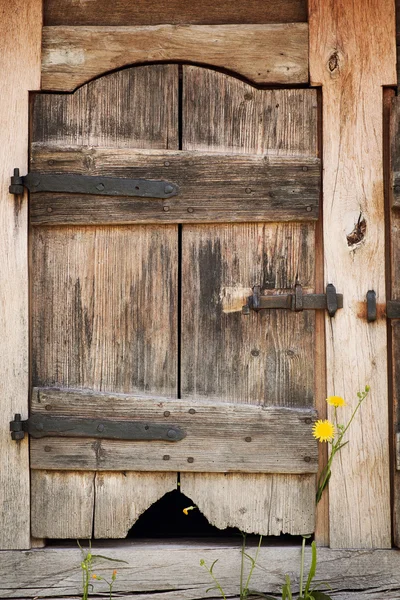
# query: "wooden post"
x,y
352,55
20,40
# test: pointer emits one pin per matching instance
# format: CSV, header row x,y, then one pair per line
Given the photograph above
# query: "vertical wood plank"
x,y
104,299
63,504
392,113
352,55
20,40
265,358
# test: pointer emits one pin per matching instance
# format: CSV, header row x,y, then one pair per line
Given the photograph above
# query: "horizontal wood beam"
x,y
276,53
157,570
212,187
220,437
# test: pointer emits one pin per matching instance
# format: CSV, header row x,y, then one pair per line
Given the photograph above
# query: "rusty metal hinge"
x,y
73,183
39,426
297,302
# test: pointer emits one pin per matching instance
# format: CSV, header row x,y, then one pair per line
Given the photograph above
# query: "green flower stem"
x,y
303,545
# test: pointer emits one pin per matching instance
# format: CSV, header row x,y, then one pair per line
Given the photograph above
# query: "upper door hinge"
x,y
39,426
73,183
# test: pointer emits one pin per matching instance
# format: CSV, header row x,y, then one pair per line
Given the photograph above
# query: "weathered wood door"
x,y
136,302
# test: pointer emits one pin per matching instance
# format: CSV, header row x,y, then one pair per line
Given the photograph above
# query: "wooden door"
x,y
137,302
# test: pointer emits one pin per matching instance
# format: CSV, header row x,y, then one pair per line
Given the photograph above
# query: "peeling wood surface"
x,y
159,570
244,437
212,187
276,53
352,55
141,12
20,37
266,358
97,318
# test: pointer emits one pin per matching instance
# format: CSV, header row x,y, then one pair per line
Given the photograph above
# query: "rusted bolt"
x,y
166,457
171,434
168,189
190,459
49,210
190,210
166,163
47,449
100,187
166,413
48,407
255,353
192,411
247,439
100,427
248,190
308,421
166,208
307,458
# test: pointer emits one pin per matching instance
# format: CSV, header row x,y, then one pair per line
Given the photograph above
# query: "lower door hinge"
x,y
297,301
39,426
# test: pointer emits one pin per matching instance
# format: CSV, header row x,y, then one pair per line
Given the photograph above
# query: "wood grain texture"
x,y
20,38
141,12
352,55
63,505
120,500
266,358
212,187
157,570
275,53
244,437
97,320
263,506
393,116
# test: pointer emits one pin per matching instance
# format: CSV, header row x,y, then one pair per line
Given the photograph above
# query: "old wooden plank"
x,y
212,187
276,53
141,12
159,570
97,321
20,38
352,55
395,157
392,113
265,359
63,505
121,500
267,509
244,437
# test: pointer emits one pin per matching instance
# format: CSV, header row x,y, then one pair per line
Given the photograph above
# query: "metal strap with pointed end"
x,y
39,426
73,183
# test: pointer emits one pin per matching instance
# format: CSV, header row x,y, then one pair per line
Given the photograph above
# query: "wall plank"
x,y
20,39
163,570
352,55
262,53
142,12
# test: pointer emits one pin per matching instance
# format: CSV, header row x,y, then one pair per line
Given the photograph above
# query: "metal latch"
x,y
39,426
297,302
73,183
392,308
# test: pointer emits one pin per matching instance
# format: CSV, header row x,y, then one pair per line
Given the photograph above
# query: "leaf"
x,y
313,567
321,596
212,566
210,589
109,559
261,595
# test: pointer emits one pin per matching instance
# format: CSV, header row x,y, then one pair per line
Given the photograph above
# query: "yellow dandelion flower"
x,y
324,431
94,576
336,401
186,510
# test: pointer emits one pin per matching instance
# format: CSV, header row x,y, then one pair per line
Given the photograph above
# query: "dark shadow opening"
x,y
166,519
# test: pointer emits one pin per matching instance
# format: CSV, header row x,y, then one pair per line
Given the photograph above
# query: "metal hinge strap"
x,y
90,184
39,426
297,302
